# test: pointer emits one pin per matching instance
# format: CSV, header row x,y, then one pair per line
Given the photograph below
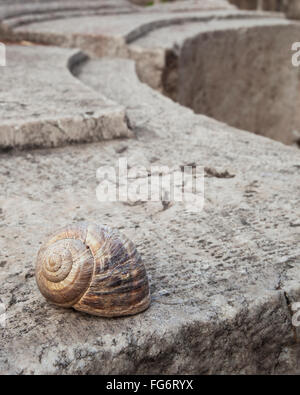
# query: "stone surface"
x,y
223,65
21,12
129,27
222,279
246,74
293,9
245,4
46,106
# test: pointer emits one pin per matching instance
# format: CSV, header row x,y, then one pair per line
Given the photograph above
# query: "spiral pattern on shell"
x,y
93,269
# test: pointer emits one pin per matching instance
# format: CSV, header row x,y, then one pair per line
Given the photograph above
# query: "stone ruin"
x,y
175,84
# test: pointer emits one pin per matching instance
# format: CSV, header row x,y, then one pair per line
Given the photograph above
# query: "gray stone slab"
x,y
21,13
78,28
163,43
43,105
222,279
122,26
20,9
292,9
274,5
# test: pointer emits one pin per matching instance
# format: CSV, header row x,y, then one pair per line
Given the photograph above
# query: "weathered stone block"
x,y
293,9
223,279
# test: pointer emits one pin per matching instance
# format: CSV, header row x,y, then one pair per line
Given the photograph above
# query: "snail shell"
x,y
93,269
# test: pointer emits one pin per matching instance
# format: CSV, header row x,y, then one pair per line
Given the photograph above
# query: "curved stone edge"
x,y
12,30
149,61
186,342
106,122
172,69
53,132
248,332
276,304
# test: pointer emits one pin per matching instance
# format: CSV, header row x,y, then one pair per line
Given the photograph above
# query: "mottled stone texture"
x,y
46,107
200,3
245,78
222,279
231,69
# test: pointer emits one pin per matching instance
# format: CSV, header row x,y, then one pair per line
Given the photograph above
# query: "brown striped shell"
x,y
93,269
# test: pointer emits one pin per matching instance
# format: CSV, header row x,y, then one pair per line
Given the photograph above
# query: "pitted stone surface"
x,y
163,45
106,35
128,26
45,106
220,278
78,25
219,66
267,5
